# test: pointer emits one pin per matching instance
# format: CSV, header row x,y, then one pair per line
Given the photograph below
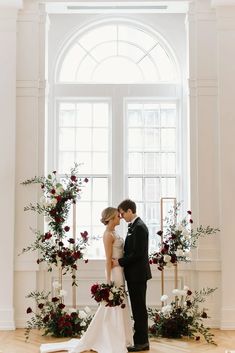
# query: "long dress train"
x,y
110,330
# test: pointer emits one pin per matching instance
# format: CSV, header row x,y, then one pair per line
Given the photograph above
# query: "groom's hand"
x,y
115,262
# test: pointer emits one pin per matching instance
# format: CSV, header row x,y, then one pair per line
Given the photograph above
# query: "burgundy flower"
x,y
204,315
71,241
86,261
58,198
48,235
86,180
54,172
189,212
29,310
191,221
52,191
189,292
46,318
73,178
61,306
160,232
197,338
40,305
123,306
55,299
42,186
61,243
84,235
66,228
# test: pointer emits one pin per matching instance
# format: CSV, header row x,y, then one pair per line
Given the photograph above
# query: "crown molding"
x,y
17,4
216,3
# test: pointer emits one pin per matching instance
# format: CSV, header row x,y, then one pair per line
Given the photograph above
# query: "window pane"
x,y
67,115
83,139
168,163
168,116
66,159
152,117
152,139
83,213
135,187
100,139
152,189
168,187
168,139
84,159
100,189
135,139
66,139
152,163
84,114
135,163
101,114
100,162
135,118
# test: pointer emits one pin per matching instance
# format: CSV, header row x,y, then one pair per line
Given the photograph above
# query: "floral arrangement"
x,y
177,239
52,317
55,245
182,317
109,294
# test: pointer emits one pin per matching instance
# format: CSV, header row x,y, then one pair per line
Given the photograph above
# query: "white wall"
x,y
210,32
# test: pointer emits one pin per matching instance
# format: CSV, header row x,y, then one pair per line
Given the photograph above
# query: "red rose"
x,y
66,228
73,178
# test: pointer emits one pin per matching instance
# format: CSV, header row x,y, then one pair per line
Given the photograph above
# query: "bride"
x,y
110,330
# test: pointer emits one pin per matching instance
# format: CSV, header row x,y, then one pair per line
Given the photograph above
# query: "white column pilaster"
x,y
31,86
225,16
8,17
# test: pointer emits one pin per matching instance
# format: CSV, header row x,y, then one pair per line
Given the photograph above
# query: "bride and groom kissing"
x,y
110,330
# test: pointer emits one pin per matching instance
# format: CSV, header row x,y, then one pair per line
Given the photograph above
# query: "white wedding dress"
x,y
110,330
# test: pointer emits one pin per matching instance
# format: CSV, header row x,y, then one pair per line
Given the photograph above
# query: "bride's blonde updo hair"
x,y
107,214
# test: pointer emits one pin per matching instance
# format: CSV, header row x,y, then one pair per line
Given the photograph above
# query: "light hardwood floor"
x,y
14,342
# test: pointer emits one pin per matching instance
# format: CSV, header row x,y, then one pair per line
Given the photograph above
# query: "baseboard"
x,y
7,322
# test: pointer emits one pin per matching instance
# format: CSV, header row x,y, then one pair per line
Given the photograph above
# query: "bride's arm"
x,y
108,247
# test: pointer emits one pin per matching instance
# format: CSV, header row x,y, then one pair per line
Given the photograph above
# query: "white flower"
x,y
87,309
53,202
167,258
63,293
56,285
82,314
83,323
59,190
179,252
164,297
166,309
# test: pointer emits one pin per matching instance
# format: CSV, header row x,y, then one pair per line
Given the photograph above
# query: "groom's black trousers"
x,y
137,293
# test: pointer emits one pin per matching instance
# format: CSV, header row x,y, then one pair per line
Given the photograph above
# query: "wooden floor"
x,y
14,342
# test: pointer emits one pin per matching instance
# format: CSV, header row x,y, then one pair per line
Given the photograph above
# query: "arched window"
x,y
117,102
117,53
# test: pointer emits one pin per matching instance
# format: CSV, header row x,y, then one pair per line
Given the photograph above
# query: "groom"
x,y
137,271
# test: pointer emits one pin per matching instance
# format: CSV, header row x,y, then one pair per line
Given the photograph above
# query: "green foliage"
x,y
50,315
182,317
54,246
178,239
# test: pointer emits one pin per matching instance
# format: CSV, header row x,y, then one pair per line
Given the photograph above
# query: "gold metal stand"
x,y
162,200
74,290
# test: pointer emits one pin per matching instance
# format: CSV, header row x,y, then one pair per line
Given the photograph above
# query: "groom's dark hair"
x,y
127,205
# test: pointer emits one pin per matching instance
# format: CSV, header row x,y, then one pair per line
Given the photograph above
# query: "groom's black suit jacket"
x,y
135,260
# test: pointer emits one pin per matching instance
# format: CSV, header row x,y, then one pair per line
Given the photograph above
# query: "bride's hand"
x,y
115,262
